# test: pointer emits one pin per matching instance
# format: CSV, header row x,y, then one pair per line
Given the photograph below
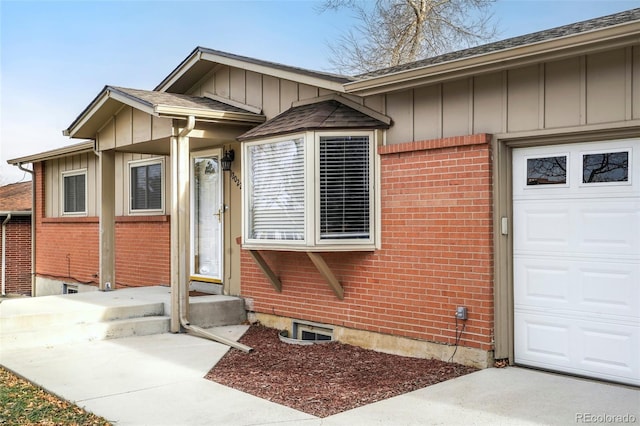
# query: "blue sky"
x,y
56,56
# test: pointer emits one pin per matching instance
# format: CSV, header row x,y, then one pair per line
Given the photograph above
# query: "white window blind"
x,y
345,199
146,187
277,198
74,193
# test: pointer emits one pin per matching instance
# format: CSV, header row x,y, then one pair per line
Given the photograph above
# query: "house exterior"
x,y
15,234
482,203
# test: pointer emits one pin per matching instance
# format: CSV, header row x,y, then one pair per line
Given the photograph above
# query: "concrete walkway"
x,y
158,380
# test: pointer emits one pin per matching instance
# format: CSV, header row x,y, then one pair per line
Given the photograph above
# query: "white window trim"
x,y
146,162
312,241
372,193
69,173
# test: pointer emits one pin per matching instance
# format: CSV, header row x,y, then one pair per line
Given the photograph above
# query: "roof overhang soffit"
x,y
570,46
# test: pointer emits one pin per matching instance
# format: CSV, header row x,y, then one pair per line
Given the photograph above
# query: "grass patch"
x,y
22,403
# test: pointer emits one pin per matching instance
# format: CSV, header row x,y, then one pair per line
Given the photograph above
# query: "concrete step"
x,y
51,320
50,335
216,310
51,312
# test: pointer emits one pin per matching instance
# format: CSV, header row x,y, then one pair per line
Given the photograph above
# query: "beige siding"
x,y
523,99
399,106
563,87
606,87
54,170
141,126
489,103
124,125
132,126
237,86
456,108
592,89
635,83
428,117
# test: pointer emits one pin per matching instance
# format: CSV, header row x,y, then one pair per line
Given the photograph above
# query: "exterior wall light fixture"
x,y
227,159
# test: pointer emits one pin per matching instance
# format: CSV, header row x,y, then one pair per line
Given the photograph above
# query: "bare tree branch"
x,y
394,32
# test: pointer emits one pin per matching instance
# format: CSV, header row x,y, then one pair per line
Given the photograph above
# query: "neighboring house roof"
x,y
159,104
329,112
15,198
574,39
78,148
202,60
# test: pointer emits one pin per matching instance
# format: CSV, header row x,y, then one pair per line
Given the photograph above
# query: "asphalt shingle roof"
x,y
15,197
329,114
153,98
537,37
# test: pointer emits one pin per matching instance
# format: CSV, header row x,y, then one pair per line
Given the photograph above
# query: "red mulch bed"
x,y
327,378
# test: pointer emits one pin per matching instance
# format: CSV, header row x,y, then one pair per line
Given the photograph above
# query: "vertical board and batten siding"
x,y
131,126
273,95
53,175
591,89
89,161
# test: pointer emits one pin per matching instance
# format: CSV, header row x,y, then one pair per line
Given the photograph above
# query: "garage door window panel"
x,y
547,170
605,167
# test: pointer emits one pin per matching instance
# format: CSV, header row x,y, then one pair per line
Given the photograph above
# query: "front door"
x,y
207,215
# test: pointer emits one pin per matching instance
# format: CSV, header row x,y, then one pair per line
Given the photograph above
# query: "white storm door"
x,y
207,215
577,259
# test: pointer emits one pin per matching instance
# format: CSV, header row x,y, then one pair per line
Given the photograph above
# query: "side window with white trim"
x,y
146,190
74,192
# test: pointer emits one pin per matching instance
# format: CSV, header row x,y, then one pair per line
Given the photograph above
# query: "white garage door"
x,y
577,258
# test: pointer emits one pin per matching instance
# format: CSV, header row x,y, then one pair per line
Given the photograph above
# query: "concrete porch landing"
x,y
96,315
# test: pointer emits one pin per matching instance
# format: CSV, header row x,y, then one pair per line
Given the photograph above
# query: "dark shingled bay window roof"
x,y
326,113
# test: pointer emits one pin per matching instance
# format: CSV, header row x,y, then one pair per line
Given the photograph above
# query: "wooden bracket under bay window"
x,y
327,274
264,266
317,260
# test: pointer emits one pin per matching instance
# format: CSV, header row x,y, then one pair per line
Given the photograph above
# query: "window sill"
x,y
96,219
316,249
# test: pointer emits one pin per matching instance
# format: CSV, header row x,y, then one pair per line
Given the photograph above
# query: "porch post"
x,y
107,221
175,272
180,176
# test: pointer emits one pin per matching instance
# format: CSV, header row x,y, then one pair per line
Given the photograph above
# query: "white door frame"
x,y
195,275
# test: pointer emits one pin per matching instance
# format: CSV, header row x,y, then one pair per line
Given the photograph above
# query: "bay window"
x,y
310,191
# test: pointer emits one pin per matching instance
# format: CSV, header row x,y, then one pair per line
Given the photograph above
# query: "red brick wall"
x,y
68,248
143,250
18,254
437,253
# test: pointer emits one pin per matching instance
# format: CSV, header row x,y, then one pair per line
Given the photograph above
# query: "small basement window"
x,y
311,332
69,289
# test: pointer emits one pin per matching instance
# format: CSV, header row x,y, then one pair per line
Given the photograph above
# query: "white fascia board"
x,y
275,72
558,48
78,148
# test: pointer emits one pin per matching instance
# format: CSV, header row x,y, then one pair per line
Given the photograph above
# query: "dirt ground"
x,y
327,378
